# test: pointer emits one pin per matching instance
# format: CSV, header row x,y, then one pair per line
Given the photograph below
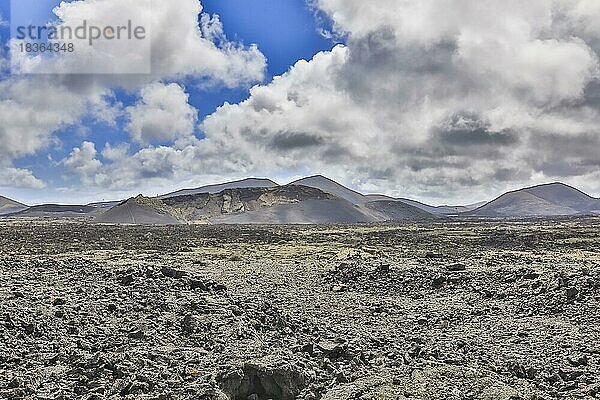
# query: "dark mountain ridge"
x,y
315,199
289,204
547,200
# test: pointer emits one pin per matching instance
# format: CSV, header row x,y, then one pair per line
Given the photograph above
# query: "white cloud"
x,y
162,114
32,109
19,178
387,108
176,46
149,167
582,16
82,162
434,99
115,153
295,121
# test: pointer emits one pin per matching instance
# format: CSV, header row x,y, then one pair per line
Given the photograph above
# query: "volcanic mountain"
x,y
8,206
289,204
312,200
553,199
244,183
330,186
139,210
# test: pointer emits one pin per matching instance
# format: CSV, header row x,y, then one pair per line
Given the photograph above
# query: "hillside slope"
x,y
554,199
329,186
139,210
436,210
333,211
9,206
289,204
393,210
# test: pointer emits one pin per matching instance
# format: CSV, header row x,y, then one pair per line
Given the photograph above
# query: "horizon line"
x,y
307,177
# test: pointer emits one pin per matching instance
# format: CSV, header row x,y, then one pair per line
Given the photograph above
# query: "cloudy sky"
x,y
445,101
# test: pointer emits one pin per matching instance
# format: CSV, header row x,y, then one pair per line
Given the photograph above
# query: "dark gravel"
x,y
445,311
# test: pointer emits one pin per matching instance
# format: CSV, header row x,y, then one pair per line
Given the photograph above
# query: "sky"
x,y
441,101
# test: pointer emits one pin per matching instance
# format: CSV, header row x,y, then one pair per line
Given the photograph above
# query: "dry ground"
x,y
449,310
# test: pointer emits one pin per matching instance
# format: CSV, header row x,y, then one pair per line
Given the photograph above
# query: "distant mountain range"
x,y
312,200
289,204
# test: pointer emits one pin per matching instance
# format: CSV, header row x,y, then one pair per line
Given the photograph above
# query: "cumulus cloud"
x,y
115,153
82,162
163,114
298,119
33,108
430,98
176,46
19,178
120,172
434,99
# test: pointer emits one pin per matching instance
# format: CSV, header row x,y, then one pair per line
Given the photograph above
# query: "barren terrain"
x,y
435,310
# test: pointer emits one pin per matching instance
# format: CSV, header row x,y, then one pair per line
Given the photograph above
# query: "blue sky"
x,y
285,30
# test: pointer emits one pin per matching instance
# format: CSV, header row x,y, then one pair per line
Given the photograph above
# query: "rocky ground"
x,y
449,310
